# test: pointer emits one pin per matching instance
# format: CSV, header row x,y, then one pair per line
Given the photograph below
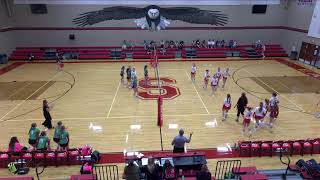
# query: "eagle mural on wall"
x,y
152,17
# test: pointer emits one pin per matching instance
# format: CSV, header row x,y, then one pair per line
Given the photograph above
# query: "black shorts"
x,y
56,140
32,142
64,145
178,149
43,149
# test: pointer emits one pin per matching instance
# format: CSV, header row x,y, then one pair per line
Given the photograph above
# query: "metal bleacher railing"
x,y
223,168
106,172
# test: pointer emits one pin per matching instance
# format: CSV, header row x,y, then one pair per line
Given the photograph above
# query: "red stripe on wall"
x,y
138,29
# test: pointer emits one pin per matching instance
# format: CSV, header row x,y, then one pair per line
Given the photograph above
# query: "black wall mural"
x,y
152,17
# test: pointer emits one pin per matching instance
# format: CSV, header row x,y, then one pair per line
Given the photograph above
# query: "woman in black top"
x,y
204,174
152,170
46,113
241,105
146,75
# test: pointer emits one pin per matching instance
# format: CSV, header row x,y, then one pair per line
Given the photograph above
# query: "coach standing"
x,y
179,141
241,105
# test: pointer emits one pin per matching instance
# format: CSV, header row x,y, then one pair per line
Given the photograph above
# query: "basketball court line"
x,y
204,105
255,76
125,117
114,98
18,105
19,90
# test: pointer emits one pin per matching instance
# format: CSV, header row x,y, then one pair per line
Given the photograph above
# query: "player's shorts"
x,y
246,121
224,107
258,117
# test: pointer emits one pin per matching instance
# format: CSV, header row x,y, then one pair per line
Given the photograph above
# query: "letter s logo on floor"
x,y
150,91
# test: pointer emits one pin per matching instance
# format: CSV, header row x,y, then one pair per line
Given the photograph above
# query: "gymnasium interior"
x,y
120,82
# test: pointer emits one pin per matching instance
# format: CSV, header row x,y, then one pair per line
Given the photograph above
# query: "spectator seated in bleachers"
x,y
124,45
235,44
145,45
152,170
169,173
204,174
176,45
231,43
198,43
30,57
222,43
258,44
203,44
181,45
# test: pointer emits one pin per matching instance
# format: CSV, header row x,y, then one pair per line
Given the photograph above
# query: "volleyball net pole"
x,y
155,64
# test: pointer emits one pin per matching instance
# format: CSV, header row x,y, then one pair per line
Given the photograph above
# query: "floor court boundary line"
x,y
18,105
255,76
114,98
204,105
124,117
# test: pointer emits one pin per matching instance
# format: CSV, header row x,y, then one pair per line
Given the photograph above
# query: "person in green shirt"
x,y
64,139
33,135
57,133
43,142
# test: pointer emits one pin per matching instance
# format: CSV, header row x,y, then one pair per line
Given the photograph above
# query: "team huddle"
x,y
258,114
132,79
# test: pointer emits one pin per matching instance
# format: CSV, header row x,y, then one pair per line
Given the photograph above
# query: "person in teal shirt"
x,y
33,135
64,139
57,133
43,142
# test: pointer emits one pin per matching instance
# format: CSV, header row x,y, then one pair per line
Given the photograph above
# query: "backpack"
x,y
12,168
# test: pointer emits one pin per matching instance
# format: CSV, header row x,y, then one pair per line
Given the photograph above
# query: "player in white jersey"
x,y
225,76
206,78
218,74
246,121
193,72
214,84
226,107
259,114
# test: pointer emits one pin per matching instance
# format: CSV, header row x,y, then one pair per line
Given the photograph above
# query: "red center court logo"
x,y
150,91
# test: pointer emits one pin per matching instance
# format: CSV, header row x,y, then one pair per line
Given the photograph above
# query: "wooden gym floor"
x,y
98,110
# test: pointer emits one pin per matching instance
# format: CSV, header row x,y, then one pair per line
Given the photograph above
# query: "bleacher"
x,y
138,52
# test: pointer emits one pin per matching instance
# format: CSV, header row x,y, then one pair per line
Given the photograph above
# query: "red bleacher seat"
x,y
255,149
275,146
287,148
296,148
244,148
307,148
265,149
315,147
